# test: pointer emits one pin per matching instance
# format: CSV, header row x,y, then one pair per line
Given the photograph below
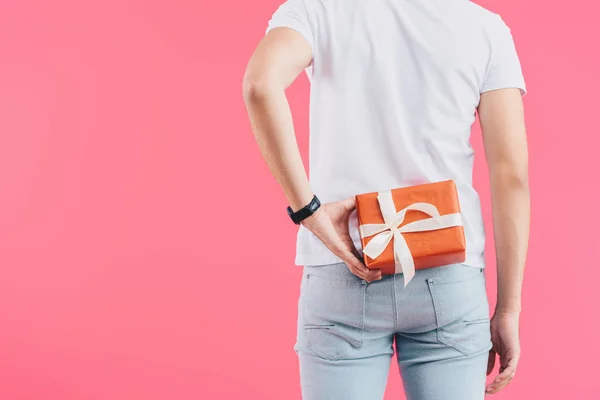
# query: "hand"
x,y
505,339
330,224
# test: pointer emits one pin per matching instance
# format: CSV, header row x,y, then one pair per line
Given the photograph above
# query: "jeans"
x,y
348,329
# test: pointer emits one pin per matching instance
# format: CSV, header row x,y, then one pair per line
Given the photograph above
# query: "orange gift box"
x,y
412,228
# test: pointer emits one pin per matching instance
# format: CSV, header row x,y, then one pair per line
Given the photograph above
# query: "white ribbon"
x,y
403,258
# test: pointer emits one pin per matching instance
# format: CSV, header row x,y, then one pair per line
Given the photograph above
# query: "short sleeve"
x,y
504,69
293,14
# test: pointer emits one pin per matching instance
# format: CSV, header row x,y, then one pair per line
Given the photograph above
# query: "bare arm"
x,y
277,61
503,127
501,116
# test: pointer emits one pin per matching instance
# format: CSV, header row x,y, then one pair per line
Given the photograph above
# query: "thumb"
x,y
349,204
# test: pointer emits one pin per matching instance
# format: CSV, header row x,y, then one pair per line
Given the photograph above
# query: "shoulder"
x,y
485,16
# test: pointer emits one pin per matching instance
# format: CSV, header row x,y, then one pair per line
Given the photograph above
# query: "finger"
x,y
349,204
369,277
373,275
508,362
360,274
361,260
496,386
367,274
355,251
491,362
506,372
503,378
350,258
353,266
360,270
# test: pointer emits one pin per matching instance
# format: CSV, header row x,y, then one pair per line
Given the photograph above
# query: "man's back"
x,y
394,89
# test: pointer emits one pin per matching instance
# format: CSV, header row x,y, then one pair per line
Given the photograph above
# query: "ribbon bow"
x,y
391,228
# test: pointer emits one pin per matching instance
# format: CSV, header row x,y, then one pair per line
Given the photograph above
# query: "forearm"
x,y
511,218
273,128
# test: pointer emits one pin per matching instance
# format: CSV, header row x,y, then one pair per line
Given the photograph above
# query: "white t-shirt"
x,y
394,89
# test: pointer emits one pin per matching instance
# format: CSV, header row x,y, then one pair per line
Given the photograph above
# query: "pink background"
x,y
125,160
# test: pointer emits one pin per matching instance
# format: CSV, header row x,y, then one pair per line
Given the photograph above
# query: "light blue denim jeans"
x,y
348,329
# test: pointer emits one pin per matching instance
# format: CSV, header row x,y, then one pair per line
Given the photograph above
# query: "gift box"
x,y
411,228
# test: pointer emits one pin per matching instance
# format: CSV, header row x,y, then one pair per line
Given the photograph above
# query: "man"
x,y
395,88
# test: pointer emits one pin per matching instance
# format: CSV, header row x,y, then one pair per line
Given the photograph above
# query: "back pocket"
x,y
333,315
462,310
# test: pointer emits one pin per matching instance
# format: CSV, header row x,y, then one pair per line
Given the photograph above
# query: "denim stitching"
x,y
453,344
439,329
481,320
449,282
430,282
355,343
364,311
395,307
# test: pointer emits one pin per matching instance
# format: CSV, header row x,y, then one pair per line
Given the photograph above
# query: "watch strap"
x,y
305,211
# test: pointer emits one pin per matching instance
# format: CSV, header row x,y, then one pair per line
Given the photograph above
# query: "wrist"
x,y
305,212
301,200
502,309
306,221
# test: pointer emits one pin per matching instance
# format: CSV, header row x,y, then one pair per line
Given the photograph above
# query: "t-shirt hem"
x,y
475,260
505,85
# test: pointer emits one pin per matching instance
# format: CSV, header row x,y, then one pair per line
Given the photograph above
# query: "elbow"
x,y
519,182
255,89
512,178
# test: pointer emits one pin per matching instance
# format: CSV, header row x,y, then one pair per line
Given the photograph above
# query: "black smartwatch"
x,y
305,211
